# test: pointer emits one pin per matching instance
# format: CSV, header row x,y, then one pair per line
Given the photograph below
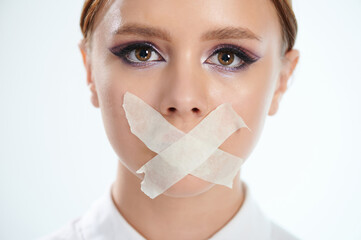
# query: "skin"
x,y
184,88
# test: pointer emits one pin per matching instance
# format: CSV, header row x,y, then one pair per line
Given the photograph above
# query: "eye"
x,y
137,53
231,58
142,54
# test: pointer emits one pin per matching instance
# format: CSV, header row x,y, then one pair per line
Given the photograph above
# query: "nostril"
x,y
195,110
172,109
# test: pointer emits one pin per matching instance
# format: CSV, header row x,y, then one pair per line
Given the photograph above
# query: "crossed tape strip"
x,y
179,153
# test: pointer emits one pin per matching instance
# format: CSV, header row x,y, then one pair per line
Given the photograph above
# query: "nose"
x,y
184,93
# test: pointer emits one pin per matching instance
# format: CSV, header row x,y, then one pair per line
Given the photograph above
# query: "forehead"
x,y
188,19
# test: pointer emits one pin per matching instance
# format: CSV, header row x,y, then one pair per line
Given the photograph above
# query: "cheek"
x,y
111,86
251,99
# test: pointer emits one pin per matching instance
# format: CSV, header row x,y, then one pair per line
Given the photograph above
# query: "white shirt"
x,y
104,222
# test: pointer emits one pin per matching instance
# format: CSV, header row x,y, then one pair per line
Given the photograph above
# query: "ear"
x,y
90,82
289,63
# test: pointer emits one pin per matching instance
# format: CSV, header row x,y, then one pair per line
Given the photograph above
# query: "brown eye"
x,y
143,54
225,58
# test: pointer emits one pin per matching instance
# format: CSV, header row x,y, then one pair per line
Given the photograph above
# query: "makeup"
x,y
225,57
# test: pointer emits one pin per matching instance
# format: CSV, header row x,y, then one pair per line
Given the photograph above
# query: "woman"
x,y
183,58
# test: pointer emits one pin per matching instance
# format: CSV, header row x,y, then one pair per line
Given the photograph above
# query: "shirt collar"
x,y
103,221
248,223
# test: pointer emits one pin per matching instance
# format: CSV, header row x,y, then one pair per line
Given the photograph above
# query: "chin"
x,y
189,186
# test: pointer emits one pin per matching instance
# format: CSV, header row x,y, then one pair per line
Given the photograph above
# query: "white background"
x,y
55,159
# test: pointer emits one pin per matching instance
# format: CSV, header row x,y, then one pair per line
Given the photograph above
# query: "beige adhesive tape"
x,y
179,153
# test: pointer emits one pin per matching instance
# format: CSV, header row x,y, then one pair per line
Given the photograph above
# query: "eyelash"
x,y
246,59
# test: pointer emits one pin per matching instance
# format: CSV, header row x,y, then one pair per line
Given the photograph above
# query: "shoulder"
x,y
69,231
279,233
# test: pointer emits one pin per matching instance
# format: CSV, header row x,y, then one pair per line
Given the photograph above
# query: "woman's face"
x,y
185,58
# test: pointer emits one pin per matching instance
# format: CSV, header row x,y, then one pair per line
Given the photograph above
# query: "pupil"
x,y
144,53
226,57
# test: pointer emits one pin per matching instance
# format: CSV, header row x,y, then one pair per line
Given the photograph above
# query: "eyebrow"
x,y
216,34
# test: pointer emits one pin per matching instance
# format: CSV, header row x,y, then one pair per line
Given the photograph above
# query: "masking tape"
x,y
179,153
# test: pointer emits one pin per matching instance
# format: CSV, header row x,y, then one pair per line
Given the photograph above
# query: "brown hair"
x,y
90,9
283,7
288,22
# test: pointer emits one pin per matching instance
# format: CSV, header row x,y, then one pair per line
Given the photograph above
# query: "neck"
x,y
165,217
